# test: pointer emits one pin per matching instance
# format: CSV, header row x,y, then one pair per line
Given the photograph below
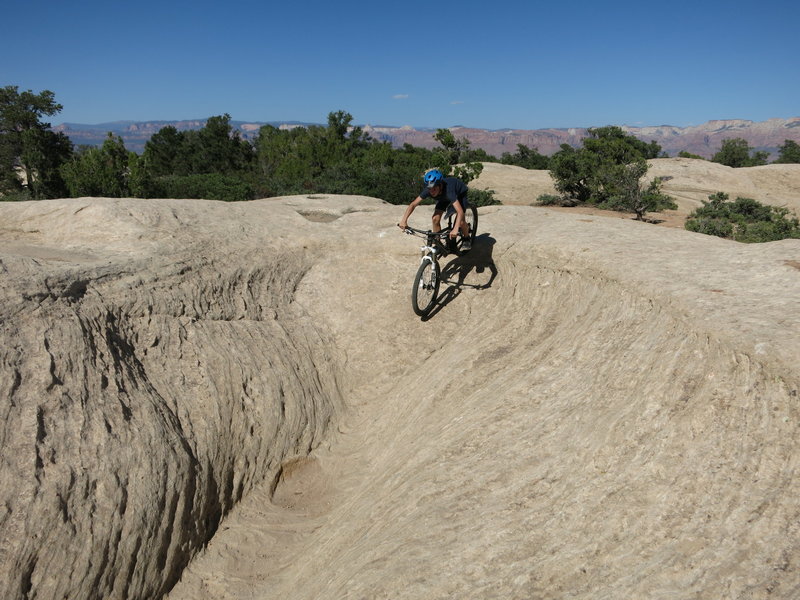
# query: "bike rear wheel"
x,y
426,287
471,217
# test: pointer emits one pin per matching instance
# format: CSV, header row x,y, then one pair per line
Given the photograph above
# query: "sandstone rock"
x,y
598,407
155,368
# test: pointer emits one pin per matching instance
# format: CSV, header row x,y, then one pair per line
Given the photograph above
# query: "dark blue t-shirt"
x,y
453,189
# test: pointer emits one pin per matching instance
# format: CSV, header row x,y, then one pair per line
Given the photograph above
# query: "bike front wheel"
x,y
426,287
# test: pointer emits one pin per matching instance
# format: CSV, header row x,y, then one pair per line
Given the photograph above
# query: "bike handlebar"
x,y
425,233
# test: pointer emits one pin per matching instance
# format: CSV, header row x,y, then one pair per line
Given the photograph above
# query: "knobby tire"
x,y
426,287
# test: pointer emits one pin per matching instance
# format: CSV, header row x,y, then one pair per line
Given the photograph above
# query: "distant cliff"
x,y
704,140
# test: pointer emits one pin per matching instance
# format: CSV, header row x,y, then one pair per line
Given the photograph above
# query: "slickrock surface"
x,y
597,408
688,181
155,367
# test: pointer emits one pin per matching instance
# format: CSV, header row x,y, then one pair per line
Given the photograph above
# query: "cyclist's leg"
x,y
464,226
438,211
464,229
437,220
437,226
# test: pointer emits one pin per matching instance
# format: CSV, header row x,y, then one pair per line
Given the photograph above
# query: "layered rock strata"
x,y
151,373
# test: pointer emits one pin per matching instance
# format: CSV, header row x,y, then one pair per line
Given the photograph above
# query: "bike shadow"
x,y
475,270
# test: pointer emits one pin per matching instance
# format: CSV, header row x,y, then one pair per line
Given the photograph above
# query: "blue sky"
x,y
494,65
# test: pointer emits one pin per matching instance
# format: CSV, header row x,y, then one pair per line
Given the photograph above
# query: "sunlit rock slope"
x,y
596,408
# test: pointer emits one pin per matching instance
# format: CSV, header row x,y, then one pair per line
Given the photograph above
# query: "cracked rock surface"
x,y
208,400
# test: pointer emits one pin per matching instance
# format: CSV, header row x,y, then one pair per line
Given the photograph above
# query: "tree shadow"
x,y
474,269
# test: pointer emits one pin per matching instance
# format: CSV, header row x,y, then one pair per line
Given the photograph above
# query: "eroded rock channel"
x,y
139,404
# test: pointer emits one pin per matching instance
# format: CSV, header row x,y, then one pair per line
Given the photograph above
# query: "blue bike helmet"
x,y
433,177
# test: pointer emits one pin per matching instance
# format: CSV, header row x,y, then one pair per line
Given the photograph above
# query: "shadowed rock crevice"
x,y
155,402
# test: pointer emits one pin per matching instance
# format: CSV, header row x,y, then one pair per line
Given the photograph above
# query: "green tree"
x,y
594,173
216,148
29,151
451,157
305,159
110,171
452,148
612,144
338,124
736,153
289,161
342,159
606,171
528,158
390,174
789,152
220,149
685,154
573,171
163,153
634,198
478,155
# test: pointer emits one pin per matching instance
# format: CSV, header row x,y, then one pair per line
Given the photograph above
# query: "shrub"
x,y
709,226
548,200
482,197
212,186
744,220
632,197
553,200
16,196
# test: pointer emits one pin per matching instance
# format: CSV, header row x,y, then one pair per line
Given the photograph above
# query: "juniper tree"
x,y
30,153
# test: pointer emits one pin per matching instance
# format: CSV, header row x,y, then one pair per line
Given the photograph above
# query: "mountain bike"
x,y
437,244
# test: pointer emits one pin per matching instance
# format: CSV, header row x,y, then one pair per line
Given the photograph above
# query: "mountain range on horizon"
x,y
704,140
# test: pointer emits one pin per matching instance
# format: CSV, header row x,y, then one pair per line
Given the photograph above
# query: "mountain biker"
x,y
451,195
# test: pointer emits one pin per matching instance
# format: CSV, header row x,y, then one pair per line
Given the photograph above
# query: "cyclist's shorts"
x,y
445,205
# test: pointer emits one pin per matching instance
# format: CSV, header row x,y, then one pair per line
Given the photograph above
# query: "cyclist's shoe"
x,y
466,245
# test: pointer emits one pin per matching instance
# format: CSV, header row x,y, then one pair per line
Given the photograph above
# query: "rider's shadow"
x,y
475,269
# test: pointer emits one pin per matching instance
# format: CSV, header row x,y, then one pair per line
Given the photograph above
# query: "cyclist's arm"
x,y
409,209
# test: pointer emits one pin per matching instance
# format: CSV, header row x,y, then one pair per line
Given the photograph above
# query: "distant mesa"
x,y
704,140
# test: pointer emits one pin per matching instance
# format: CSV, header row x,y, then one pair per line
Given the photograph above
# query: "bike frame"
x,y
430,251
437,244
